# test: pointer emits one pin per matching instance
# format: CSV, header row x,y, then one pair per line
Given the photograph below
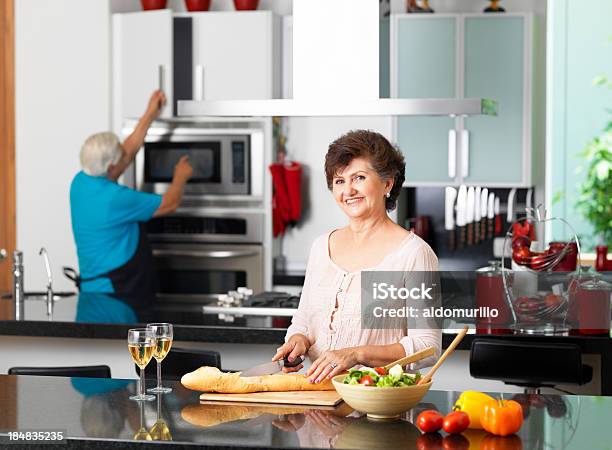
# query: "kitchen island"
x,y
92,330
97,413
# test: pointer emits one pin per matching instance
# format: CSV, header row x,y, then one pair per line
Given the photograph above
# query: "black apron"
x,y
135,277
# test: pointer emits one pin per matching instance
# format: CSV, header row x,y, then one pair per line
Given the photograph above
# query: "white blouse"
x,y
331,329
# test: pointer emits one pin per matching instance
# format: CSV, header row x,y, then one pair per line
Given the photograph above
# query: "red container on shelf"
x,y
590,313
197,5
490,293
246,5
602,264
149,5
568,262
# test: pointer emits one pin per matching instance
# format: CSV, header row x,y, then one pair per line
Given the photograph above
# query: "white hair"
x,y
99,151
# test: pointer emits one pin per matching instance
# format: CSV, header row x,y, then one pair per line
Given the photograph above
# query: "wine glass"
x,y
141,345
142,434
159,431
162,333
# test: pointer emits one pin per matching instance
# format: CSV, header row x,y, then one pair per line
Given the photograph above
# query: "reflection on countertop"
x,y
100,411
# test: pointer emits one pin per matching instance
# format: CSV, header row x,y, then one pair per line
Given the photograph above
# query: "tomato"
x,y
430,421
522,256
521,228
553,301
538,261
380,370
456,422
429,441
455,442
366,380
520,241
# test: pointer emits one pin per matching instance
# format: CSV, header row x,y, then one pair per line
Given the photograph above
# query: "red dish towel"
x,y
293,181
287,198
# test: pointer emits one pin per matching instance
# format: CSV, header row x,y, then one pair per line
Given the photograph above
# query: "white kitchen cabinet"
x,y
236,55
142,62
466,56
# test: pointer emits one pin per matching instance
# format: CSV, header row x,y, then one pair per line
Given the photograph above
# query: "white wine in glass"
x,y
160,431
163,334
141,345
142,434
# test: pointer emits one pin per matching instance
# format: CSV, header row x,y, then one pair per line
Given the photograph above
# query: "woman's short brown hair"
x,y
387,161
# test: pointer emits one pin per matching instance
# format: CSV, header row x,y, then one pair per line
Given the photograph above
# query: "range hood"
x,y
335,72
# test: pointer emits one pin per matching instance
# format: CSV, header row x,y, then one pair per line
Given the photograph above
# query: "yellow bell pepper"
x,y
473,403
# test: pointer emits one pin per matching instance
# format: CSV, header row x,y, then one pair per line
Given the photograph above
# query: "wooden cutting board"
x,y
312,398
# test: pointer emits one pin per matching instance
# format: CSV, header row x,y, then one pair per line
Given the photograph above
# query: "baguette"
x,y
211,379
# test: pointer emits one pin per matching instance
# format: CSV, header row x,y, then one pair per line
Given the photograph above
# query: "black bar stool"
x,y
76,371
530,364
180,361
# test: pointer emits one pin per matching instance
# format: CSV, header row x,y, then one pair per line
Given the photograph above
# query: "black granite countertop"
x,y
97,413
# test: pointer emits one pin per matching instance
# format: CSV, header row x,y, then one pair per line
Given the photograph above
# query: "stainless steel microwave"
x,y
223,159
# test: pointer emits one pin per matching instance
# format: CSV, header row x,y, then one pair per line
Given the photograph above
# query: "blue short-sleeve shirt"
x,y
105,218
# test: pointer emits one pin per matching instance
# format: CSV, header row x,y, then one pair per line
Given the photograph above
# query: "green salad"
x,y
379,377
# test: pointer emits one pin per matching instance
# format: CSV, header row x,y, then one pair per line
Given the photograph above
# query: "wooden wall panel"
x,y
7,145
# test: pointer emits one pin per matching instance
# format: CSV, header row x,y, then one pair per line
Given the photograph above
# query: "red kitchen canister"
x,y
490,294
592,310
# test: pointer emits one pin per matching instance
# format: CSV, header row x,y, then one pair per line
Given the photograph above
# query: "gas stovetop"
x,y
280,304
272,300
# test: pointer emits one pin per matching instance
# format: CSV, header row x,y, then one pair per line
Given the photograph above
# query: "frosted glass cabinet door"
x,y
142,43
236,54
426,68
495,68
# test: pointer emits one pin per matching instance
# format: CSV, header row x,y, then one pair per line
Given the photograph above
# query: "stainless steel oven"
x,y
198,272
201,253
227,158
208,225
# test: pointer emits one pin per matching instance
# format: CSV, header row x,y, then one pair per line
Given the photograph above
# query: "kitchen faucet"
x,y
45,255
18,295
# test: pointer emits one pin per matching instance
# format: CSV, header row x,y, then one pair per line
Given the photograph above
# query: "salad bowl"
x,y
380,402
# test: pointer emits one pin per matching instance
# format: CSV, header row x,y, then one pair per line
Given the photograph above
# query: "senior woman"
x,y
365,174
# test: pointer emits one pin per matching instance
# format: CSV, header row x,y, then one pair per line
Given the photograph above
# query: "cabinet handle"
x,y
465,152
452,153
161,77
199,83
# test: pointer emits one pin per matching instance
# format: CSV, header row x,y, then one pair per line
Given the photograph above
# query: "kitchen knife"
x,y
484,198
477,215
511,206
461,204
498,219
530,215
271,367
469,215
491,215
449,216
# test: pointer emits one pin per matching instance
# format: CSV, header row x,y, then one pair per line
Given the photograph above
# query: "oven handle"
x,y
209,254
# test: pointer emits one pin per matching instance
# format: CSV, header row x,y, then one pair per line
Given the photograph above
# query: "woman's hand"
x,y
327,423
296,346
291,423
332,363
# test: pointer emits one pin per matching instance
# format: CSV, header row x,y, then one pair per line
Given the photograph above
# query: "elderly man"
x,y
107,218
